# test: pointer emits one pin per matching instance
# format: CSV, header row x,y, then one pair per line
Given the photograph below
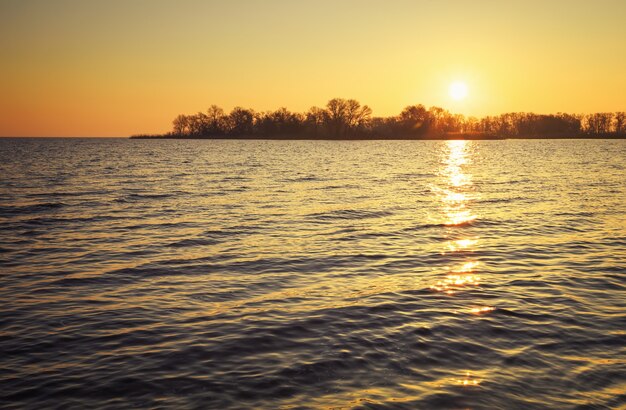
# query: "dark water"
x,y
276,274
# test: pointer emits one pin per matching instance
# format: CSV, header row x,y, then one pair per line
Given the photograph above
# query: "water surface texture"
x,y
312,274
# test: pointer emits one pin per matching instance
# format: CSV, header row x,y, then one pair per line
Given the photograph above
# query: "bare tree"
x,y
414,120
241,121
598,123
346,117
181,125
620,122
217,120
314,120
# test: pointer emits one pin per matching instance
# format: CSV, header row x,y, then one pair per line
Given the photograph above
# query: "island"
x,y
347,119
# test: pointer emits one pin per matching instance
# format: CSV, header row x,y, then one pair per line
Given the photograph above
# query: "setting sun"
x,y
458,90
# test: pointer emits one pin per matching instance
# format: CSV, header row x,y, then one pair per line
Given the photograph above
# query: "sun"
x,y
458,90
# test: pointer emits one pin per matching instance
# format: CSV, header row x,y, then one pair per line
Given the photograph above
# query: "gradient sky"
x,y
116,68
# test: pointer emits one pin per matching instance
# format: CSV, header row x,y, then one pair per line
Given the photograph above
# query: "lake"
x,y
312,274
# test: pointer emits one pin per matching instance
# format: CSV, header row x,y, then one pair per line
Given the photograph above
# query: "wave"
x,y
15,210
139,197
348,214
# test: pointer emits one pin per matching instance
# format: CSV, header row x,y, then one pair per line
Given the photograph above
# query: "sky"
x,y
117,68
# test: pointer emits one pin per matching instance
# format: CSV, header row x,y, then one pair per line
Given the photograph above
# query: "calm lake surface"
x,y
312,274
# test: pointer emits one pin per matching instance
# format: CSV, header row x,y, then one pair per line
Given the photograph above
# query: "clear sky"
x,y
120,67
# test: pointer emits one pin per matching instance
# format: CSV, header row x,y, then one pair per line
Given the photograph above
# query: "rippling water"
x,y
312,274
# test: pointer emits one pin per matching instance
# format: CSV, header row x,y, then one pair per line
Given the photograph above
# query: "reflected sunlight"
x,y
454,196
482,309
459,217
457,180
454,282
457,152
469,380
460,244
454,199
467,267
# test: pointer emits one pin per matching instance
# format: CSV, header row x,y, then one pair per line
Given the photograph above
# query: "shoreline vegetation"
x,y
347,119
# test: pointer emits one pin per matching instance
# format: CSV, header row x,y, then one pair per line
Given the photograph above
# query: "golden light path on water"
x,y
455,196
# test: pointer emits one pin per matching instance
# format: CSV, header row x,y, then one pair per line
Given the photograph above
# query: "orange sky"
x,y
116,68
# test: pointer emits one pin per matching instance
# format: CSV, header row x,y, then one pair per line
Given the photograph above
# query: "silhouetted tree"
x,y
436,114
197,124
598,123
335,116
279,122
314,121
241,122
620,122
181,125
384,128
471,124
345,117
357,116
217,121
414,120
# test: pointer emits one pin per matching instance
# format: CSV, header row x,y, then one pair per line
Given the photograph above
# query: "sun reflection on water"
x,y
469,380
460,245
482,309
467,267
456,193
452,283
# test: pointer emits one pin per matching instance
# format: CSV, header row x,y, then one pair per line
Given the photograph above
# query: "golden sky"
x,y
120,67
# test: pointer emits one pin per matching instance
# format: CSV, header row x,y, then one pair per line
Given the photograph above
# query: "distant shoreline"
x,y
347,119
269,138
449,137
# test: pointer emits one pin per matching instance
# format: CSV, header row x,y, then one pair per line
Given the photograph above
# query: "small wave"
x,y
194,242
472,222
236,179
332,187
307,178
499,200
349,214
47,221
66,194
139,197
30,209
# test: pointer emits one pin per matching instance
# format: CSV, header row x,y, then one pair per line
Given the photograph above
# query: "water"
x,y
312,274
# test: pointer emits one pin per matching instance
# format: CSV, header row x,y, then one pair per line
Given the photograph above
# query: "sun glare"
x,y
458,90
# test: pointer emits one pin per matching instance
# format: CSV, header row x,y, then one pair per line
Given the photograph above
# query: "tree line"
x,y
348,119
